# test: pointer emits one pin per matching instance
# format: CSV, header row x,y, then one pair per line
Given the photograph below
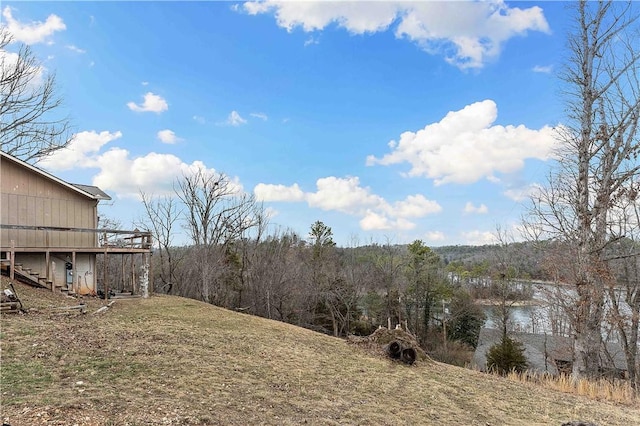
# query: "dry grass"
x,y
615,391
169,360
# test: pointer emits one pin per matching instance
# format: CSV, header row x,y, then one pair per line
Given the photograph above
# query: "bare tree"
x,y
217,215
274,276
623,295
29,125
598,158
163,214
388,264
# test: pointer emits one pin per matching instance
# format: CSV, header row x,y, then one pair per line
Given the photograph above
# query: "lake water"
x,y
544,317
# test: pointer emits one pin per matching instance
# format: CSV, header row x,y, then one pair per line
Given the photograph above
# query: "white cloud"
x,y
468,34
310,41
268,192
80,152
261,115
346,195
199,119
119,172
33,32
470,208
342,194
373,221
75,48
152,173
356,17
415,206
465,147
479,238
152,103
435,236
168,136
234,119
145,83
543,69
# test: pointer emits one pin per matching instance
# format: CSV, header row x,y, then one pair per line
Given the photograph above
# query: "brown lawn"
x,y
170,360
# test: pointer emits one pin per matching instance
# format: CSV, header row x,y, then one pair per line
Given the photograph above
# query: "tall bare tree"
x,y
30,124
217,215
598,159
163,214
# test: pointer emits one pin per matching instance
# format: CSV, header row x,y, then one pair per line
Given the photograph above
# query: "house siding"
x,y
27,198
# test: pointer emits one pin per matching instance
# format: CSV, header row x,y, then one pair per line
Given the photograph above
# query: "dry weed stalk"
x,y
618,391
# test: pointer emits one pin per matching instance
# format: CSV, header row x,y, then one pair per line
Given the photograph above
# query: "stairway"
x,y
28,276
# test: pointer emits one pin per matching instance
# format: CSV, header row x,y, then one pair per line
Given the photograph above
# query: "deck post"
x,y
134,286
123,281
12,256
47,260
144,276
73,274
104,276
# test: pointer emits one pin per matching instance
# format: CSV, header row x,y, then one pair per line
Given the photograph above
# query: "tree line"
x,y
233,261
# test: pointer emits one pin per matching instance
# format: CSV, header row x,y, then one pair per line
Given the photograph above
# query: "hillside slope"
x,y
169,360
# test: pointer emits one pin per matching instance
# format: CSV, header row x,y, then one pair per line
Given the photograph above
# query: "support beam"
x,y
144,276
47,260
12,255
104,276
73,273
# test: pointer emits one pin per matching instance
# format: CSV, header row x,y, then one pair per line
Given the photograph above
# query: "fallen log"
x,y
81,307
409,356
104,308
394,350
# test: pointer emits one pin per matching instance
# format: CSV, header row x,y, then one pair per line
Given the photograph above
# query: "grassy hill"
x,y
169,360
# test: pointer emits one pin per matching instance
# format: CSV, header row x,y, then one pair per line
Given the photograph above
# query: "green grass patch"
x,y
20,378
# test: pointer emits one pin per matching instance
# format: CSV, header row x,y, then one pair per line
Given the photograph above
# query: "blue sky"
x,y
388,121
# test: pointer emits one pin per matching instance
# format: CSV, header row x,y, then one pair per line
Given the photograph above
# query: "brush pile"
x,y
398,344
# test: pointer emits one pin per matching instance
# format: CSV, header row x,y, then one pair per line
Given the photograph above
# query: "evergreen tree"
x,y
506,356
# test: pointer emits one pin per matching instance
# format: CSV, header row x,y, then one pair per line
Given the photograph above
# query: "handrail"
x,y
64,228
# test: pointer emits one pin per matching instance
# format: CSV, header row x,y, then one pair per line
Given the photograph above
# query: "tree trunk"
x,y
588,334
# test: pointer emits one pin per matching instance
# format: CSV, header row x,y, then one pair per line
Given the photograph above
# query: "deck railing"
x,y
107,238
